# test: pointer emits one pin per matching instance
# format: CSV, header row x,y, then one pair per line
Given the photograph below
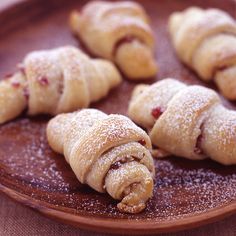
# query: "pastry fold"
x,y
205,40
187,121
107,152
55,81
118,31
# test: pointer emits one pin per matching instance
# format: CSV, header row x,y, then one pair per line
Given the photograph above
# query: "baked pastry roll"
x,y
187,121
118,31
205,40
56,81
107,152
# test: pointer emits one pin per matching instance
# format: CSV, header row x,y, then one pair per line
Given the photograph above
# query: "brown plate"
x,y
187,193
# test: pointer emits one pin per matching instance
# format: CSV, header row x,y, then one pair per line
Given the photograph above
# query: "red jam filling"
x,y
7,76
15,84
142,142
219,68
126,39
22,69
223,67
26,93
60,88
156,112
197,148
116,165
43,81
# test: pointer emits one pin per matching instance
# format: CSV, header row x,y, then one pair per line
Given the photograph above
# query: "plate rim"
x,y
110,225
124,226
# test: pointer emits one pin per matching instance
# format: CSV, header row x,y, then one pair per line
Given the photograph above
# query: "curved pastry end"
x,y
136,60
174,22
109,71
226,82
12,98
136,197
138,90
132,183
55,131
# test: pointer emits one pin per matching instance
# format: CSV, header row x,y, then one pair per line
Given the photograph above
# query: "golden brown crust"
x,y
55,81
206,41
109,153
117,31
187,121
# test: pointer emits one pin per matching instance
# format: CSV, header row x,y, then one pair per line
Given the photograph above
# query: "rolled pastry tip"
x,y
107,152
186,121
205,40
119,32
136,60
55,81
13,99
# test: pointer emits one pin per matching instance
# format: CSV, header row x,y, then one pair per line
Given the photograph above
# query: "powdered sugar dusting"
x,y
182,187
148,98
30,162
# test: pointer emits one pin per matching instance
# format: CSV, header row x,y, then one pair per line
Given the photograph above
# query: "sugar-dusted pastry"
x,y
56,81
107,152
118,31
187,121
205,40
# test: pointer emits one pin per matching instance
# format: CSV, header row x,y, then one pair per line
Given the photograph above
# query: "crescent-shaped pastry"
x,y
187,121
205,40
56,81
118,31
107,152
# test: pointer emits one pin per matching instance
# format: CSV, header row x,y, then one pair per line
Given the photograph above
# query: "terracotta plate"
x,y
187,193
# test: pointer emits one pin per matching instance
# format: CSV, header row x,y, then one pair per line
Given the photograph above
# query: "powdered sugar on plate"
x,y
182,187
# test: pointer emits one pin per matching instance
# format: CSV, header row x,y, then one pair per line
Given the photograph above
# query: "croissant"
x,y
107,152
56,81
187,121
205,41
119,32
